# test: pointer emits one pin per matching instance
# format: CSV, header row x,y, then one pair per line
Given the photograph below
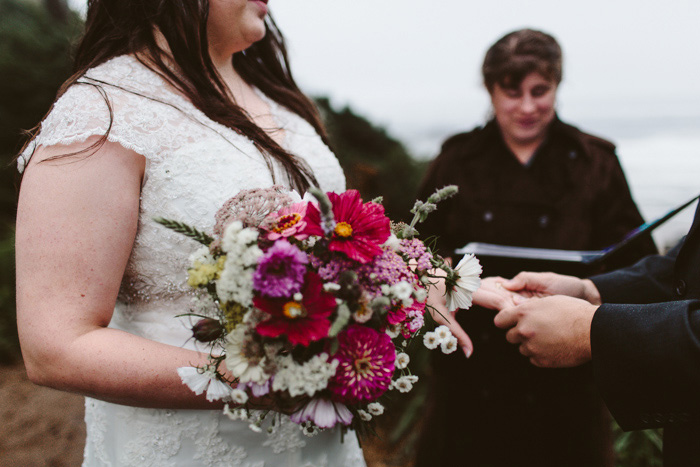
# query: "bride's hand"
x,y
493,295
438,310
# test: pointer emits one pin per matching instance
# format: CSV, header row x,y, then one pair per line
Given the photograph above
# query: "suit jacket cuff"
x,y
646,362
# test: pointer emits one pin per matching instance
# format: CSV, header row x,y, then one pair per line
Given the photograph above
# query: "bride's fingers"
x,y
442,316
463,338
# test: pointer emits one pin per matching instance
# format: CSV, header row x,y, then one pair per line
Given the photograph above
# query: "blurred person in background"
x,y
525,179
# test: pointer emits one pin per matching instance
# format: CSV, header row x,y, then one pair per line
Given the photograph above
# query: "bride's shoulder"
x,y
124,73
117,98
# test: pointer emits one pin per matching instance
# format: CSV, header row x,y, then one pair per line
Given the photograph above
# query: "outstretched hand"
x,y
545,284
437,306
491,294
553,332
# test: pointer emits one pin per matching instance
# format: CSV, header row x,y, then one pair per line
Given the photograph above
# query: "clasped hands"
x,y
547,315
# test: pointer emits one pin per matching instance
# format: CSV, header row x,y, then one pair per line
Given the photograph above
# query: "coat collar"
x,y
491,133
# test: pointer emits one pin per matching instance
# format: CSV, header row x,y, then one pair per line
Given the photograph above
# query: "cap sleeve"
x,y
81,112
89,109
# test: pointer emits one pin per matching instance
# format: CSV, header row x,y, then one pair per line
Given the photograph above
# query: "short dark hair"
x,y
519,53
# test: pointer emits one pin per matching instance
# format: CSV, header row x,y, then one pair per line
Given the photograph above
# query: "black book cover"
x,y
509,260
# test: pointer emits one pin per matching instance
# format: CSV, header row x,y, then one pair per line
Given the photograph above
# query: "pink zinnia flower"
x,y
366,363
280,271
302,322
396,315
323,413
288,222
360,230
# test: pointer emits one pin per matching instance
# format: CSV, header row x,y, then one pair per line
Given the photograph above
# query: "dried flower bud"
x,y
207,330
326,209
443,193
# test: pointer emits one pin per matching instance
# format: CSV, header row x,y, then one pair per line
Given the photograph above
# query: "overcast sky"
x,y
402,59
412,64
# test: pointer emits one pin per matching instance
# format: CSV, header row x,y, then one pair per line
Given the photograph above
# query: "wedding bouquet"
x,y
311,305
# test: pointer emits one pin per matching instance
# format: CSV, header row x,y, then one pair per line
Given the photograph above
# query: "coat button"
x,y
543,221
488,216
572,154
681,287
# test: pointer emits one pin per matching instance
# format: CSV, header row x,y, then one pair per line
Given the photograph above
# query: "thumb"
x,y
518,282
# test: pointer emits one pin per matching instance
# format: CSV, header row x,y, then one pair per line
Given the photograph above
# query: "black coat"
x,y
496,408
571,195
645,343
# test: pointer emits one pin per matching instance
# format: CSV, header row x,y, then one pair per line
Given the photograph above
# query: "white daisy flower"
x,y
202,256
310,430
402,290
238,364
403,385
238,396
363,314
236,414
364,416
449,346
402,360
431,340
443,333
420,295
460,296
413,379
375,408
200,381
393,331
255,427
393,242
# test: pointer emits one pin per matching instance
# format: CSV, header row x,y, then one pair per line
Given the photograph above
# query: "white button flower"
x,y
402,360
449,346
431,340
375,408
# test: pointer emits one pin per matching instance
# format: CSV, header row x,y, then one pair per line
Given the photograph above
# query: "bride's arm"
x,y
76,223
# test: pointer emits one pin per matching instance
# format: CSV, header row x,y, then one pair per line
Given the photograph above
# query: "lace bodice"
x,y
193,165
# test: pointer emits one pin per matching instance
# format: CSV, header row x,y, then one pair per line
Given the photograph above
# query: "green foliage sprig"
x,y
186,230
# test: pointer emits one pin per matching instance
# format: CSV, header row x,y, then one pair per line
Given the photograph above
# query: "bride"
x,y
174,107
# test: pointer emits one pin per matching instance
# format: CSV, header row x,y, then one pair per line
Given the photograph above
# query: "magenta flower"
x,y
323,413
360,230
302,322
280,271
366,363
288,222
396,315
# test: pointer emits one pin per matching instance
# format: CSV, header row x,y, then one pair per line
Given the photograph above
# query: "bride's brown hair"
x,y
119,27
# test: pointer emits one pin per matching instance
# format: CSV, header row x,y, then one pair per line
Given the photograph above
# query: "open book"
x,y
566,261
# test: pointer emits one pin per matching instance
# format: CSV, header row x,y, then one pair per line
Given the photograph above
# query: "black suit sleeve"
x,y
646,361
650,280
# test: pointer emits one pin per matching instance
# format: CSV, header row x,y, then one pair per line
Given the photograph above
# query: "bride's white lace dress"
x,y
193,166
